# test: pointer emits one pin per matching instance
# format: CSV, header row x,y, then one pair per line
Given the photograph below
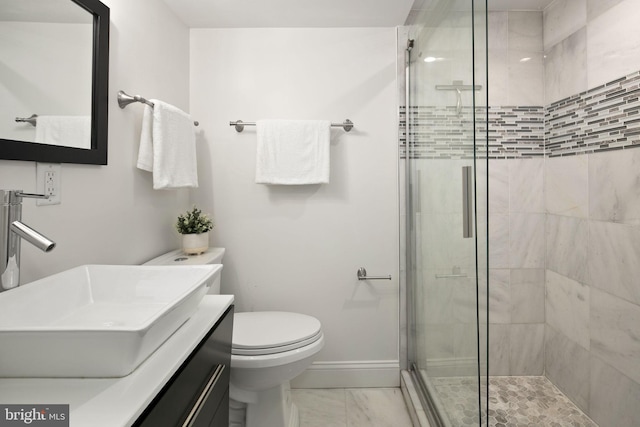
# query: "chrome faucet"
x,y
12,231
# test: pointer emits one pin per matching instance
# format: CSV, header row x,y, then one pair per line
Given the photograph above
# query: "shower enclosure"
x,y
445,165
532,319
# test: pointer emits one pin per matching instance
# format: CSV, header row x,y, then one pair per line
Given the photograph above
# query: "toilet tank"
x,y
177,257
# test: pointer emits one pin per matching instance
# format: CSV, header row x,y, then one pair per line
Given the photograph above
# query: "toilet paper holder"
x,y
362,275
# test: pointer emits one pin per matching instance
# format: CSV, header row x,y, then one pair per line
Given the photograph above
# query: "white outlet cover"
x,y
54,188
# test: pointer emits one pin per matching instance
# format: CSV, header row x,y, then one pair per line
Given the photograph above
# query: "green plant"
x,y
194,222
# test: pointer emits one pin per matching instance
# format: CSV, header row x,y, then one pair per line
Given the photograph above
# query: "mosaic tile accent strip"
x,y
601,119
437,133
515,132
441,133
513,402
402,131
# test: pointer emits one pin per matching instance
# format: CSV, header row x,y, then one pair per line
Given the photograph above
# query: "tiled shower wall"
x,y
592,203
576,216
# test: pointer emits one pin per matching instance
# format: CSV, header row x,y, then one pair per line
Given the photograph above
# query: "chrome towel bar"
x,y
362,275
125,99
347,125
31,120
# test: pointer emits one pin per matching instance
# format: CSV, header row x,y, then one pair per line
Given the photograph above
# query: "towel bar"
x,y
125,99
32,120
347,125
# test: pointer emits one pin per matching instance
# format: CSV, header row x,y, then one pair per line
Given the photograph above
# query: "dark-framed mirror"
x,y
60,74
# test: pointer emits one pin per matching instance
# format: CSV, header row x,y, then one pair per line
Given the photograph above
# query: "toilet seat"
x,y
271,332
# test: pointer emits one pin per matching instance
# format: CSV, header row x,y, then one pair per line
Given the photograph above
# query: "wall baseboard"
x,y
350,374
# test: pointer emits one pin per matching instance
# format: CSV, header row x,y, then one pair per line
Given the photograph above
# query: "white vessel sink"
x,y
96,320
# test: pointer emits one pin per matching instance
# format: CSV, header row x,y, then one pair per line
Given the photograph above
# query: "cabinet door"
x,y
199,387
221,417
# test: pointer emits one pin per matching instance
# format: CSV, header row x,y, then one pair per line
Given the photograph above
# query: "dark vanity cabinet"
x,y
198,393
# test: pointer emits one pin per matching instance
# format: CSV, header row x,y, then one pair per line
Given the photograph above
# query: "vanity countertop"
x,y
113,402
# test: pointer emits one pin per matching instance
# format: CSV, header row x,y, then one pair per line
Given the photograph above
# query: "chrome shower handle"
x,y
467,202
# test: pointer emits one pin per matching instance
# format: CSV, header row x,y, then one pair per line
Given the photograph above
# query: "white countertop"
x,y
114,402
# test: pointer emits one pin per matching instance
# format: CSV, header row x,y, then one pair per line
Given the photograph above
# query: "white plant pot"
x,y
194,244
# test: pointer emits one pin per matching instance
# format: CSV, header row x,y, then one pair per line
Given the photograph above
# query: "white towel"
x,y
293,152
168,146
68,131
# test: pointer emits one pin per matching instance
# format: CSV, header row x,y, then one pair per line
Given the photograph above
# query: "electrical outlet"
x,y
48,179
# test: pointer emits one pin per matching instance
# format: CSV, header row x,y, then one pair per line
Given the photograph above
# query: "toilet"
x,y
269,348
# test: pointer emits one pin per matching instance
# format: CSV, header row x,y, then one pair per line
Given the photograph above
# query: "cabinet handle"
x,y
195,410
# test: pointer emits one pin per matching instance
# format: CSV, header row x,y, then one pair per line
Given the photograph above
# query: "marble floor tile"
x,y
321,407
513,401
370,407
376,407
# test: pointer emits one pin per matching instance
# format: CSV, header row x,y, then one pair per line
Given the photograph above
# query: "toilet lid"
x,y
268,332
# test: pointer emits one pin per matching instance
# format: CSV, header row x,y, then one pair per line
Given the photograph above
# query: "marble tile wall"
x,y
592,291
516,265
563,67
588,262
615,399
613,41
516,69
592,204
588,43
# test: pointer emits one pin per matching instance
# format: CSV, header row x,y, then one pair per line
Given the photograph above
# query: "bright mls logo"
x,y
34,415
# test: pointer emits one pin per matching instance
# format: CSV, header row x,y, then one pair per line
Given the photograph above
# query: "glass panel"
x,y
447,272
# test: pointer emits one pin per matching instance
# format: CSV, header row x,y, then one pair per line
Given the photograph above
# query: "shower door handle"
x,y
467,202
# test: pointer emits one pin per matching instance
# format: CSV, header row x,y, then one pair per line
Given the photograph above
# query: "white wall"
x,y
298,248
110,214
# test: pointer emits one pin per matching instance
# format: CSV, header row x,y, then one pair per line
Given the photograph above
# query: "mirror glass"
x,y
52,83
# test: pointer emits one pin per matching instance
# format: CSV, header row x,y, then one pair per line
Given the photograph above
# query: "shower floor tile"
x,y
513,402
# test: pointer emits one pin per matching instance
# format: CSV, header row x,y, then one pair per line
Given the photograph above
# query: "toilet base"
x,y
270,408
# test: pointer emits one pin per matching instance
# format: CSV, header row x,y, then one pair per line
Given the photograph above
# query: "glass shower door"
x,y
447,222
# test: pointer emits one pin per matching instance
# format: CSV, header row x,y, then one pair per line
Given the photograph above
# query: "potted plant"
x,y
194,227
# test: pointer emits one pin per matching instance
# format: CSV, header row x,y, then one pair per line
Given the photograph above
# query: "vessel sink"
x,y
96,320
